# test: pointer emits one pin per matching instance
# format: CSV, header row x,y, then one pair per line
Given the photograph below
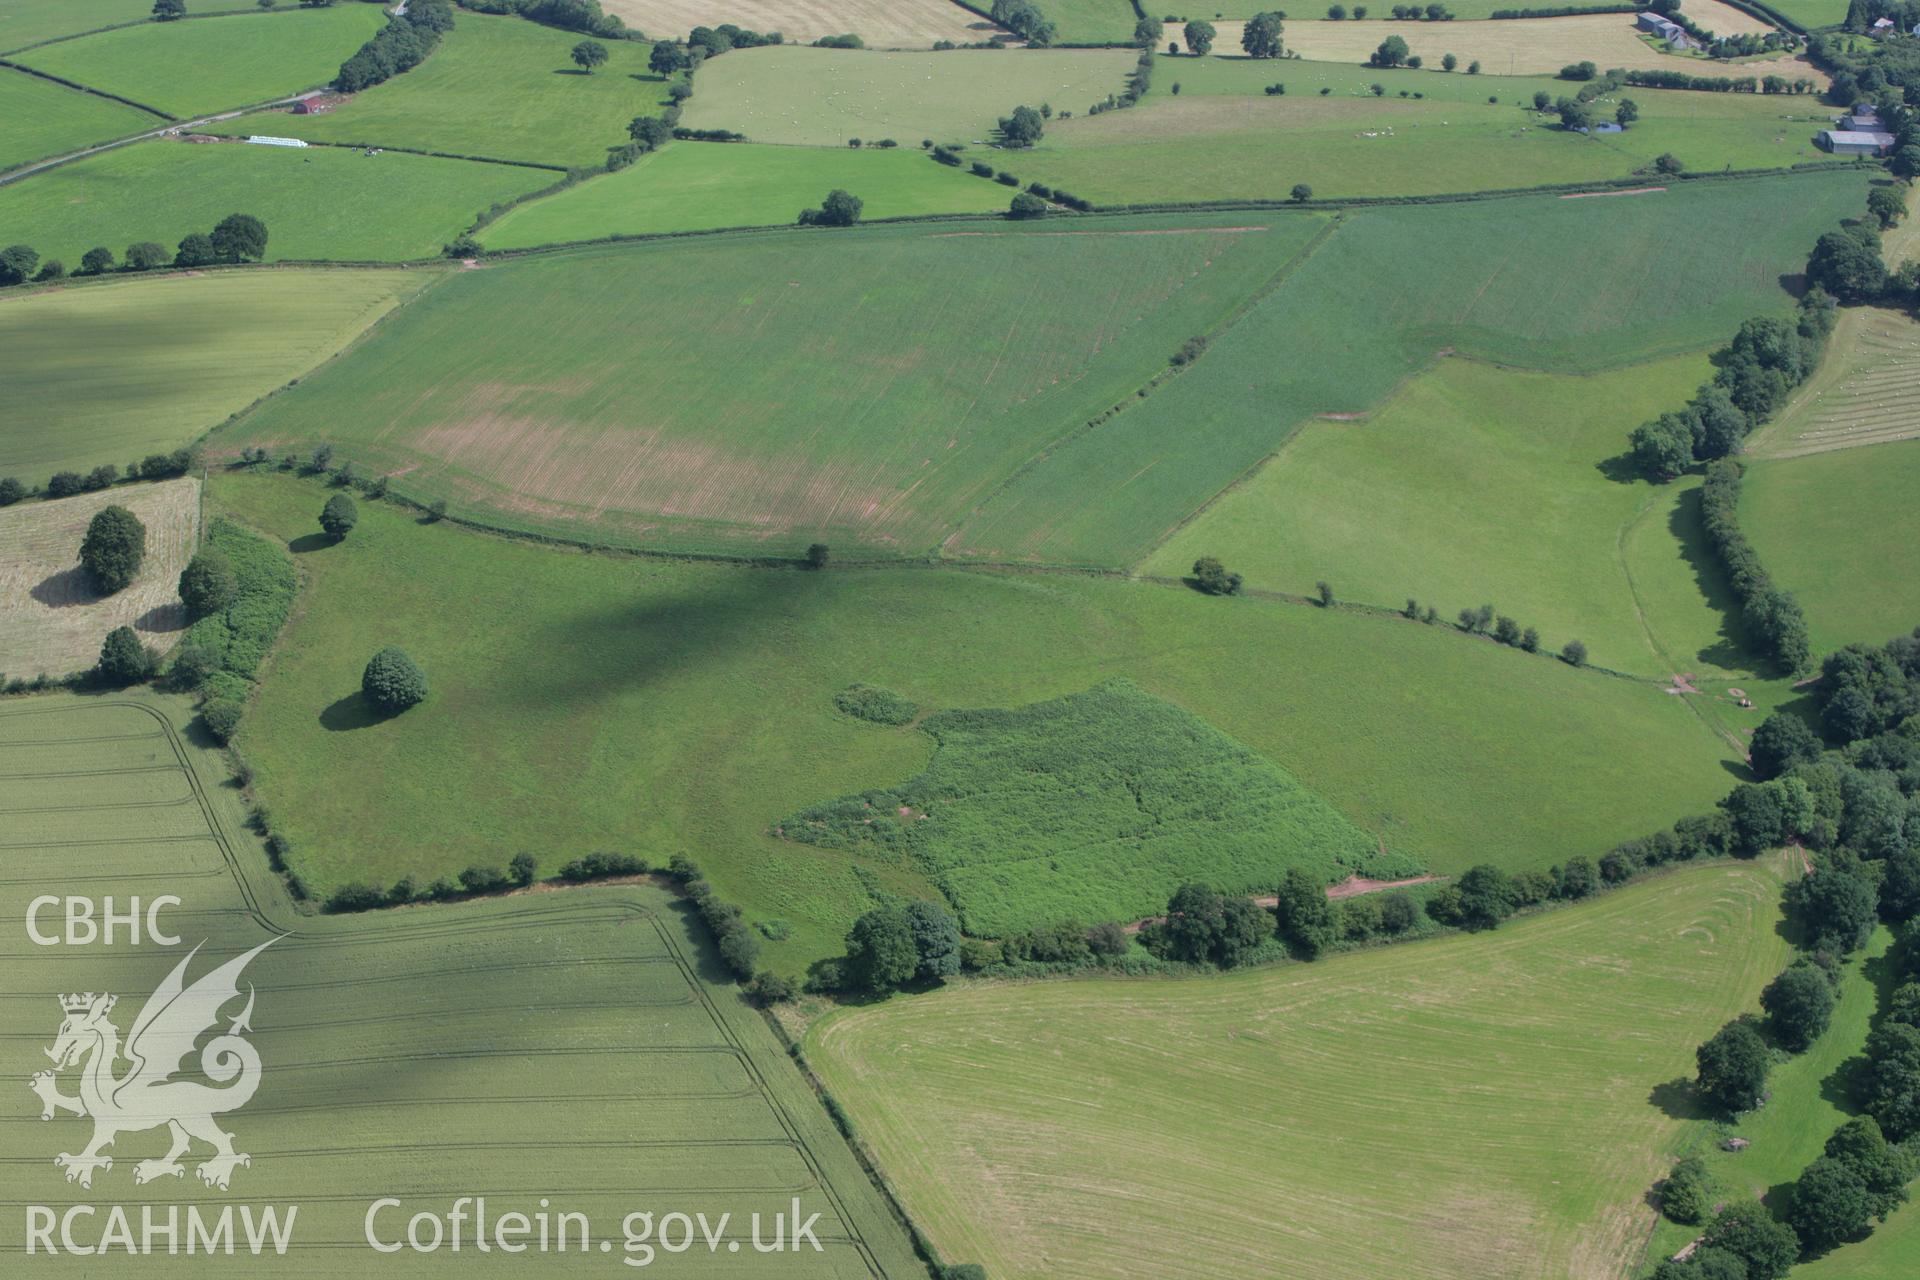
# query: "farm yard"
x,y
51,619
881,24
125,368
47,119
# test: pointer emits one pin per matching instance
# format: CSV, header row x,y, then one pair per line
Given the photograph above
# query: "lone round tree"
x,y
112,551
339,516
123,659
393,682
589,54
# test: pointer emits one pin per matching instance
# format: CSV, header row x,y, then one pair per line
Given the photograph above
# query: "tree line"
x,y
401,45
236,238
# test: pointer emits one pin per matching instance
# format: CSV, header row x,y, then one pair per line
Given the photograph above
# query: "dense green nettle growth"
x,y
113,549
392,681
338,516
870,702
208,584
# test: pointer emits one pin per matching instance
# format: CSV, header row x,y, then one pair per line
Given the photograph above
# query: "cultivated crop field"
x,y
189,68
46,119
823,97
661,706
876,387
124,368
500,88
1470,1106
568,1045
320,203
51,620
882,24
25,22
690,186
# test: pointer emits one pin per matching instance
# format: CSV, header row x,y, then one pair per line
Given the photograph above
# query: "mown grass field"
x,y
660,706
871,386
1535,282
1092,807
1535,46
577,1046
1467,1106
502,88
24,22
47,119
319,203
692,186
882,24
1085,21
51,622
194,67
113,371
1351,143
1866,390
1842,532
823,97
1420,499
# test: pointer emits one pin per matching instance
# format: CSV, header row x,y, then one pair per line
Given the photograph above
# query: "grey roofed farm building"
x,y
1852,142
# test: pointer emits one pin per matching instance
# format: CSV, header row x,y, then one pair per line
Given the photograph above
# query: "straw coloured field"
x,y
47,119
570,1052
502,88
51,621
1469,1106
320,203
693,186
190,68
657,706
823,97
119,370
882,24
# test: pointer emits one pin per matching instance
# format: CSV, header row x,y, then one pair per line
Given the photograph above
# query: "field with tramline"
x,y
46,119
565,1049
1501,1082
190,68
823,97
51,620
882,24
323,203
125,368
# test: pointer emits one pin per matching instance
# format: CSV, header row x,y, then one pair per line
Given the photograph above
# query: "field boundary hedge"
x,y
407,151
137,22
83,88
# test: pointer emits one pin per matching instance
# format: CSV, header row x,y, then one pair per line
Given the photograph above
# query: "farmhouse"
x,y
1667,29
1856,142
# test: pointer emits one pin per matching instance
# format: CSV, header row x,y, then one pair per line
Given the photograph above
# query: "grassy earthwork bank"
x,y
320,203
662,706
193,67
499,87
1476,1105
366,1024
45,119
115,370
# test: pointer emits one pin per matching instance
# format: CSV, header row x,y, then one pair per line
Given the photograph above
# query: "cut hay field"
x,y
1535,282
1419,498
47,119
823,97
321,203
1350,143
871,386
51,622
572,1049
113,371
1536,46
1866,390
1841,530
25,22
882,24
691,186
191,68
1476,1105
501,88
660,706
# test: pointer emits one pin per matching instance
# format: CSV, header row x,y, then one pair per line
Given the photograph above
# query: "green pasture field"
x,y
193,67
1473,1105
319,203
693,186
869,387
498,87
113,371
579,1046
1087,21
1350,143
1092,807
1423,498
1215,76
1536,282
1812,13
1841,530
47,119
662,706
25,22
823,97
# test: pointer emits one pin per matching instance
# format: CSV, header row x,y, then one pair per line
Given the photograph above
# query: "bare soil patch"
x,y
1630,191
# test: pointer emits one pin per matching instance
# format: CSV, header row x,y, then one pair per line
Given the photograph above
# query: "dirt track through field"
x,y
1351,887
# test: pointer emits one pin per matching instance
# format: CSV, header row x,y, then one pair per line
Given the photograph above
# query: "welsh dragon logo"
x,y
145,1096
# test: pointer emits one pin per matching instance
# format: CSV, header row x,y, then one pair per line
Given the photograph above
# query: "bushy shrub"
x,y
114,548
392,681
881,706
222,718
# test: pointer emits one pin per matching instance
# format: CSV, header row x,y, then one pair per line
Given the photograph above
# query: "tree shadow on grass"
x,y
1620,468
309,542
1734,650
65,589
350,712
1679,1100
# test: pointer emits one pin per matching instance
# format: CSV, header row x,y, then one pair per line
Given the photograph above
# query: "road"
x,y
178,126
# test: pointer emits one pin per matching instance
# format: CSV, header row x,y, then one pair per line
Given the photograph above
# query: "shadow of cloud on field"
x,y
349,713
